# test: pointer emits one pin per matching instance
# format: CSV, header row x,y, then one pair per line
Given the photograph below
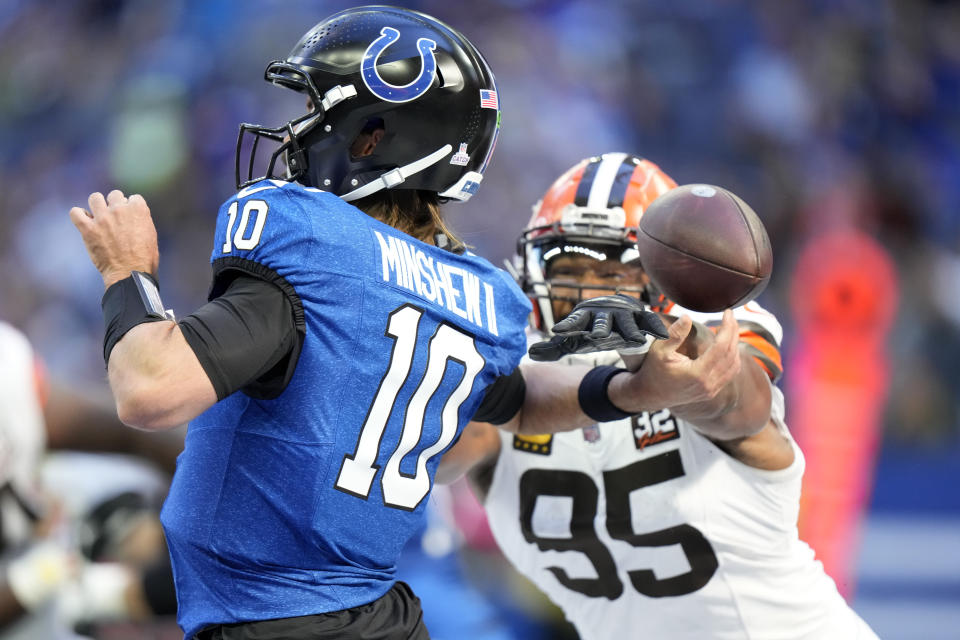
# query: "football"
x,y
704,248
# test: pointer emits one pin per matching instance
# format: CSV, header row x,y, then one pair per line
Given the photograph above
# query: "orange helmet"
x,y
594,209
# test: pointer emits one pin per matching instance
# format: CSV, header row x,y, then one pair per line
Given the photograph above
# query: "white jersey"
x,y
22,446
22,436
644,528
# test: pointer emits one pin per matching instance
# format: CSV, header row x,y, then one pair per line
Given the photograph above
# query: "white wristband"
x,y
37,575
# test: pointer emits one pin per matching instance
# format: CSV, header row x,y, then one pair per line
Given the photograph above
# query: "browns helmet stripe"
x,y
603,181
618,192
586,183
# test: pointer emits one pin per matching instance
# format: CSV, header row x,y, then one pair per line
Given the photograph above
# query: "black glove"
x,y
615,322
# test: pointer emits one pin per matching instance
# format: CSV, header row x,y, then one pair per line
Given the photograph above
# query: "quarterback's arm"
x,y
534,399
164,374
545,402
156,379
551,403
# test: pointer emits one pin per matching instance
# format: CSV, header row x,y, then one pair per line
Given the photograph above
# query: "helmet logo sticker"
x,y
488,99
461,157
391,92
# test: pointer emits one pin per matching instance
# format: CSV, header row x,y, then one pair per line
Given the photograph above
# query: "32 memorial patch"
x,y
653,428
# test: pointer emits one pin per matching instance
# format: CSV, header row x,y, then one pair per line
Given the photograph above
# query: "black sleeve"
x,y
503,399
158,587
246,337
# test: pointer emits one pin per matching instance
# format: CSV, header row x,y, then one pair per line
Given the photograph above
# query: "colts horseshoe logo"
x,y
391,92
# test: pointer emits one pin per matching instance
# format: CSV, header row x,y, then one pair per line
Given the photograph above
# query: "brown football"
x,y
704,248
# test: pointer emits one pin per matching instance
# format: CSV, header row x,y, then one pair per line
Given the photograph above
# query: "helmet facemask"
x,y
541,247
290,151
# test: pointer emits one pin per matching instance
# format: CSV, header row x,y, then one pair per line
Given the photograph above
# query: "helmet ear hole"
x,y
367,140
373,124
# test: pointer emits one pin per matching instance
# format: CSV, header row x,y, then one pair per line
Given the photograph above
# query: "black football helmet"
x,y
384,67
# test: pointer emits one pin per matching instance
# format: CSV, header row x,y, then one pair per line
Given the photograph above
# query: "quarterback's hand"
x,y
119,235
601,324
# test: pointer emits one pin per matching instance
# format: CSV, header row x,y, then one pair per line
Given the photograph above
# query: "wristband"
x,y
127,303
593,397
38,574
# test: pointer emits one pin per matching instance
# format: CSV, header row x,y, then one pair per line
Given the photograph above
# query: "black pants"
x,y
396,615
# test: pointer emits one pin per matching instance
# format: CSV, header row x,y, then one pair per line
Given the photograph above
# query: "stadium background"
x,y
825,115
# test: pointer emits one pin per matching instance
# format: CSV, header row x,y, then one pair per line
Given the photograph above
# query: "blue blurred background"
x,y
822,114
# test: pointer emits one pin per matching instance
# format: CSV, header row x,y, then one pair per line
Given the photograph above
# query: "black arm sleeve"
x,y
245,338
158,587
503,399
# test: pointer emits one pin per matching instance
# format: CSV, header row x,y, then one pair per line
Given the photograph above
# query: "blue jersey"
x,y
301,504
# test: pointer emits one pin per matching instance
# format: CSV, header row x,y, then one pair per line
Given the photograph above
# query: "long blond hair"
x,y
414,212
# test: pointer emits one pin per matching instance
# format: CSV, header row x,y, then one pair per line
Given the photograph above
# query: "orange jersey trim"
x,y
763,365
768,351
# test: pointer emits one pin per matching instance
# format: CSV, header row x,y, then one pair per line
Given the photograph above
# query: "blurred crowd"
x,y
820,114
823,115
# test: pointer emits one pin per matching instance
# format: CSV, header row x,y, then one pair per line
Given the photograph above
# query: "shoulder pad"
x,y
270,185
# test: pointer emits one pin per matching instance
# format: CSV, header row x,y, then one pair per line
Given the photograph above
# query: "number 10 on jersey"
x,y
358,470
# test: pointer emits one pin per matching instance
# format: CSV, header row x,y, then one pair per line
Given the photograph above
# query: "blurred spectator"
x,y
52,578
